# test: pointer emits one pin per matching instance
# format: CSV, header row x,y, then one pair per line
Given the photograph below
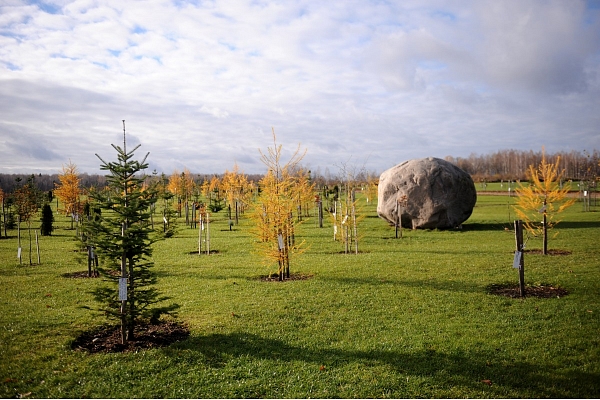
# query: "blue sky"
x,y
360,83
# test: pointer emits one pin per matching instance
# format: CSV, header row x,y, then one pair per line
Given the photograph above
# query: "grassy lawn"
x,y
408,317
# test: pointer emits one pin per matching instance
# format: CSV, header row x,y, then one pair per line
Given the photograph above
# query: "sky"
x,y
358,84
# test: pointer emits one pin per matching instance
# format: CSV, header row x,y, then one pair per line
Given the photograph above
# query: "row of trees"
x,y
514,164
501,165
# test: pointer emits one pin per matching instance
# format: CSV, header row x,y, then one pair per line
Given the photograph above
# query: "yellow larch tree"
x,y
304,192
543,198
237,189
182,185
68,190
273,212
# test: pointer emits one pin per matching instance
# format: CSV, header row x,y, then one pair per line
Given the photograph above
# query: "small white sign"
x,y
19,253
280,241
122,289
585,193
165,219
517,260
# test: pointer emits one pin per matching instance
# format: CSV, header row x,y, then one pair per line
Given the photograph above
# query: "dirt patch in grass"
x,y
539,291
293,277
203,253
551,252
80,274
107,339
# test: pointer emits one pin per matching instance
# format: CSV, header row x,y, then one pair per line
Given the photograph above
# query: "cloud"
x,y
539,46
200,84
214,111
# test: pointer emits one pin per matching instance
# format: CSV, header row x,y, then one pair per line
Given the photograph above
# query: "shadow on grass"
x,y
487,226
500,226
577,224
467,369
444,285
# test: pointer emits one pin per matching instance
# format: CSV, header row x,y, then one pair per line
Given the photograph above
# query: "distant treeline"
x,y
45,182
502,165
513,164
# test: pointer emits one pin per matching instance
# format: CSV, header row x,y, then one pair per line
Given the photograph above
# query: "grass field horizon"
x,y
409,317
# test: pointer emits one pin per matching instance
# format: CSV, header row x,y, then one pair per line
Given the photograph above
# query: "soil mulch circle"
x,y
293,277
203,252
551,252
539,291
80,274
107,339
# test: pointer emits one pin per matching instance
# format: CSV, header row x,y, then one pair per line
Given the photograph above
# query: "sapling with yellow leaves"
x,y
273,211
543,199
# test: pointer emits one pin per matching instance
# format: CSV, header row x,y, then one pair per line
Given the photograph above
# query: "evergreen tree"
x,y
47,220
124,239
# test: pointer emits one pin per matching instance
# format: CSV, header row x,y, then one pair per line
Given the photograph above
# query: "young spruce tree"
x,y
124,239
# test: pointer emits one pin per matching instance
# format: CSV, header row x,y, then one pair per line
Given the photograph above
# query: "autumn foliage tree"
x,y
237,190
540,202
68,190
182,186
273,212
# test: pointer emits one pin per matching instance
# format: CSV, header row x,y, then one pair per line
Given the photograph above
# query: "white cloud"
x,y
201,84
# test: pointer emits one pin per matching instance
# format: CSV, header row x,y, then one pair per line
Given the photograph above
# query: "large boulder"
x,y
433,193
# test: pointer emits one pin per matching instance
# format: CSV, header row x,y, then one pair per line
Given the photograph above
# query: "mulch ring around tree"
x,y
293,277
81,274
107,339
551,252
543,291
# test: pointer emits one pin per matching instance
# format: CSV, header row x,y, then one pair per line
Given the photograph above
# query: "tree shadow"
x,y
578,224
433,283
499,226
487,226
464,368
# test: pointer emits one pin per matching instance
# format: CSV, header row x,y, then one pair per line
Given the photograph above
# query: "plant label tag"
x,y
122,289
280,241
517,260
19,253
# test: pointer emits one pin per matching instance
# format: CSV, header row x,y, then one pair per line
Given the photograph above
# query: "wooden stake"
x,y
207,234
19,236
519,245
37,245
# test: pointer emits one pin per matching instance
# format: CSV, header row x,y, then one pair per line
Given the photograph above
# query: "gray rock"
x,y
438,194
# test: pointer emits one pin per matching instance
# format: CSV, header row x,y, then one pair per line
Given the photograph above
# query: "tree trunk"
x,y
19,238
29,230
519,246
37,245
89,251
545,228
131,299
207,234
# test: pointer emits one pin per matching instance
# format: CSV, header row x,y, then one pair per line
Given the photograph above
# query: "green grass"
x,y
406,317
